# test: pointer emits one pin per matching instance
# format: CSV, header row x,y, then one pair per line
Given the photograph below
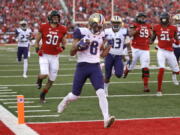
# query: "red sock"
x,y
145,80
160,79
45,90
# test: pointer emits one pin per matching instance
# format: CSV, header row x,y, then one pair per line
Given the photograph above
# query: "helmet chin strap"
x,y
116,29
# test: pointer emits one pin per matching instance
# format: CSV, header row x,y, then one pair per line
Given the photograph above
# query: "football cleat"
x,y
174,79
25,76
159,93
109,122
62,105
42,98
146,90
39,83
126,71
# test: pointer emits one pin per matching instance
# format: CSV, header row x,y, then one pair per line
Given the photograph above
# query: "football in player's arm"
x,y
166,35
88,46
53,36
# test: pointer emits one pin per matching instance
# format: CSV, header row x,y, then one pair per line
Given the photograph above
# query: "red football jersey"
x,y
51,38
141,38
165,36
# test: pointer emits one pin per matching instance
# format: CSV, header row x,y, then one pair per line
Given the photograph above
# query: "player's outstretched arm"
x,y
74,48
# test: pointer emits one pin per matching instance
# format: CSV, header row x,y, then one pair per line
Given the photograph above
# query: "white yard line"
x,y
26,102
40,116
7,92
3,88
36,111
88,97
12,123
8,96
63,84
26,106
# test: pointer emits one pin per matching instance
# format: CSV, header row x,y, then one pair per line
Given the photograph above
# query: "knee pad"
x,y
145,72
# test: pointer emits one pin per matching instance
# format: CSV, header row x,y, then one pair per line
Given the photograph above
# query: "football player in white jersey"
x,y
24,36
88,45
176,46
116,35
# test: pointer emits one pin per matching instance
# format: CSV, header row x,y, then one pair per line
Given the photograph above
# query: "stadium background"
x,y
127,100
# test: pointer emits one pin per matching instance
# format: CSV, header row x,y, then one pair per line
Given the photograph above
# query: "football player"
x,y
24,36
176,47
141,32
116,35
167,35
53,36
88,45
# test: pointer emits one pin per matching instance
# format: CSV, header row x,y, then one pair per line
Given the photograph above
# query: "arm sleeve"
x,y
77,34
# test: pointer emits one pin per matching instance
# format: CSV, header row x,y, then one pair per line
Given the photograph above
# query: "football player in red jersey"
x,y
53,37
141,33
167,35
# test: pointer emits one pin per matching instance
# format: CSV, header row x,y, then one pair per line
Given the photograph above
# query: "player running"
x,y
116,35
53,37
24,36
88,46
141,33
167,35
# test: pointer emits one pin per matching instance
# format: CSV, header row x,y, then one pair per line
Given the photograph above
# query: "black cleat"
x,y
147,90
42,98
39,83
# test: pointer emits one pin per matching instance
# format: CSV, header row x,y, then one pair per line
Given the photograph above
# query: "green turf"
x,y
123,107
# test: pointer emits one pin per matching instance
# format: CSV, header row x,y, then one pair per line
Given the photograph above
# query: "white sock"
x,y
103,103
106,86
25,66
29,54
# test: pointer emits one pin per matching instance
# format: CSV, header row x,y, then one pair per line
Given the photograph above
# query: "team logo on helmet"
x,y
53,20
116,23
176,17
164,18
141,17
96,22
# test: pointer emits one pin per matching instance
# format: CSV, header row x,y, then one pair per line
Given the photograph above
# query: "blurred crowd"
x,y
36,12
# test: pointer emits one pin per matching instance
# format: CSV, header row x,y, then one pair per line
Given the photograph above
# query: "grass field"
x,y
126,101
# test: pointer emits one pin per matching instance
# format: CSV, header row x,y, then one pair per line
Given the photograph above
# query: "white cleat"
x,y
159,94
174,79
109,122
62,105
25,76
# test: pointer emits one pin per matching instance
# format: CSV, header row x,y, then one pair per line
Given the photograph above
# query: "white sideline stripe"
x,y
25,106
26,102
8,96
11,122
40,116
62,84
36,111
7,93
83,121
68,75
6,90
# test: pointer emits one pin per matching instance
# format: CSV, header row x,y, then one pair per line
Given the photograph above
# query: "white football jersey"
x,y
23,37
92,54
118,40
178,35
